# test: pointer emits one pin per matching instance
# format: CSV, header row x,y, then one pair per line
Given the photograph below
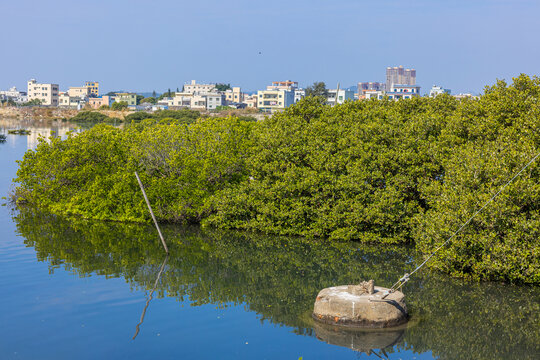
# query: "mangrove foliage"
x,y
389,172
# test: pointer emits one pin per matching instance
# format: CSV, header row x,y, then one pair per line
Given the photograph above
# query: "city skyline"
x,y
141,47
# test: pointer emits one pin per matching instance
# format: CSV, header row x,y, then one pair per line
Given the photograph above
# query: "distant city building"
x,y
374,94
274,100
399,76
14,94
250,101
195,88
93,88
167,101
180,99
97,102
283,85
81,91
215,99
46,93
67,101
399,91
342,96
197,101
363,87
437,90
299,94
233,95
465,96
129,98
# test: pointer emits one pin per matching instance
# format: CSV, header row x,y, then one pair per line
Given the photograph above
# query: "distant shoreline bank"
x,y
44,113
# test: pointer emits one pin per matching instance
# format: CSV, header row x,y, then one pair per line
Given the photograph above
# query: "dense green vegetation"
x,y
186,116
19,132
93,117
223,87
372,171
279,278
120,105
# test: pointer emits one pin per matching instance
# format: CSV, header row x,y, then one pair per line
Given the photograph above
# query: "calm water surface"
x,y
89,290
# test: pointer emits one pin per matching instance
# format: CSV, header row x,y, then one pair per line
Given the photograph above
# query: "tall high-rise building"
x,y
398,75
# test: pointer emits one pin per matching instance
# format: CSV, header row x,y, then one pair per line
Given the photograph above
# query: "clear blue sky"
x,y
154,45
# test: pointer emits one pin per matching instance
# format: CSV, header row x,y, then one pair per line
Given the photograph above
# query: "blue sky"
x,y
154,45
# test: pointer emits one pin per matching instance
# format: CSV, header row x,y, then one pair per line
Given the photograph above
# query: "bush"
x,y
93,117
90,175
187,116
121,105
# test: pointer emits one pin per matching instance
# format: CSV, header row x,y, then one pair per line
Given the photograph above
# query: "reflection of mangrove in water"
x,y
279,278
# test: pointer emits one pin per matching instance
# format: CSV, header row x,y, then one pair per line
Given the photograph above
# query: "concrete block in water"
x,y
345,305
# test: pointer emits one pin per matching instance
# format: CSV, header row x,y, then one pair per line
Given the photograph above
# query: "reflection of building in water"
x,y
55,130
37,130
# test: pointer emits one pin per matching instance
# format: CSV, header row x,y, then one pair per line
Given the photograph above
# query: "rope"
x,y
403,280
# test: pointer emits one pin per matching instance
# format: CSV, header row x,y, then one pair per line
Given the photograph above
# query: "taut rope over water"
x,y
403,280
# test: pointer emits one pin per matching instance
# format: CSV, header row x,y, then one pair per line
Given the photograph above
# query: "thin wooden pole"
x,y
152,213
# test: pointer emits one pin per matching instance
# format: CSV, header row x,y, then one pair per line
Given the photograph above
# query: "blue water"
x,y
68,295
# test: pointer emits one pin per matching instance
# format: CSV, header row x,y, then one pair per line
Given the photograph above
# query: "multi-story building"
x,y
374,94
250,101
399,75
213,100
46,93
68,101
342,96
181,99
97,102
233,95
299,94
14,94
93,88
166,102
437,90
129,98
363,87
399,91
81,91
195,88
283,85
274,100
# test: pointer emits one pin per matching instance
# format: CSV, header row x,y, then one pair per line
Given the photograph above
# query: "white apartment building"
x,y
181,99
46,93
14,94
67,101
283,85
198,101
299,94
437,90
398,91
374,94
82,91
250,100
195,88
342,96
213,100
